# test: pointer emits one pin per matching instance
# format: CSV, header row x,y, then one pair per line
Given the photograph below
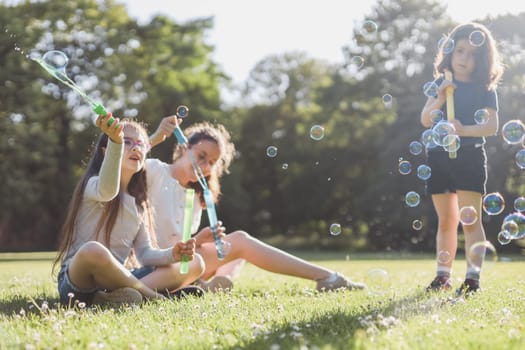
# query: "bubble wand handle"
x,y
450,112
212,218
186,230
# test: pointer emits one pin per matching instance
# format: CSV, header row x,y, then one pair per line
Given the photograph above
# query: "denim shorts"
x,y
467,172
68,292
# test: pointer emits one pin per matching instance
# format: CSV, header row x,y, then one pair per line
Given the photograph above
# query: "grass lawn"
x,y
270,311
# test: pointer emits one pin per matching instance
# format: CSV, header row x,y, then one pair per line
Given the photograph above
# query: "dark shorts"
x,y
68,292
468,172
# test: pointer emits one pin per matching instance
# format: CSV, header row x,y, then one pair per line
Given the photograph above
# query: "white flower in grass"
x,y
69,313
450,320
296,335
513,333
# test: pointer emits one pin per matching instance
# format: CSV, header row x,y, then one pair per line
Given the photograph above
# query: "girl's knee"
x,y
238,236
197,265
93,253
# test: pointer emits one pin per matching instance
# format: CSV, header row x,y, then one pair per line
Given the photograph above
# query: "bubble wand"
x,y
182,112
450,112
186,231
54,62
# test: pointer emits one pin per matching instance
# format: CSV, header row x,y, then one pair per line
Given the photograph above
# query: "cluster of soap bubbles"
x,y
368,30
513,133
513,225
512,228
423,172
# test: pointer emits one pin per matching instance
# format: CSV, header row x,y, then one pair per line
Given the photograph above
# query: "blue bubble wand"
x,y
182,112
54,62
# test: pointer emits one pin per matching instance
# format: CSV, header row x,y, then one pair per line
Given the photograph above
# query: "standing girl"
x,y
211,147
460,182
108,216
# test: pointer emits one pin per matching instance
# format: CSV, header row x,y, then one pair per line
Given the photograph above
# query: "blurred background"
x,y
346,173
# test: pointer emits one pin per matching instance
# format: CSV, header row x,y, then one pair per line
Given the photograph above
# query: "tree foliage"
x,y
48,129
350,176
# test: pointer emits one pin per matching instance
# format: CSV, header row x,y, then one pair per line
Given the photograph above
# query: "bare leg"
x,y
231,269
94,266
169,277
261,255
446,206
475,232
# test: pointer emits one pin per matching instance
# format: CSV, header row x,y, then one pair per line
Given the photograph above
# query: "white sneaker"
x,y
216,284
117,297
339,282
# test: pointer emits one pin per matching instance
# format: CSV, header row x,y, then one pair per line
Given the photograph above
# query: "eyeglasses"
x,y
142,146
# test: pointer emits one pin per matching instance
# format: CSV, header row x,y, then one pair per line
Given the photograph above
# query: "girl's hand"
x,y
184,248
114,131
458,126
165,129
206,234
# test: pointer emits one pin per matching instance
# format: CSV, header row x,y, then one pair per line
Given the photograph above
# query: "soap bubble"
x,y
317,132
271,151
493,203
335,229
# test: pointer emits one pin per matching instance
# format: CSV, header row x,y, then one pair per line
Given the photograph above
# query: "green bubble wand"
x,y
54,62
186,231
182,112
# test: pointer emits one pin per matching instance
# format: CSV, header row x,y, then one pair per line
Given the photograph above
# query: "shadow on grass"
x,y
350,329
19,305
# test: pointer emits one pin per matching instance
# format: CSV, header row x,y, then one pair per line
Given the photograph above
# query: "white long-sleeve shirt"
x,y
129,230
167,197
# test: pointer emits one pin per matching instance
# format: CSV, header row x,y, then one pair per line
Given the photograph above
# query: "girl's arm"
x,y
479,130
165,129
105,186
147,255
206,235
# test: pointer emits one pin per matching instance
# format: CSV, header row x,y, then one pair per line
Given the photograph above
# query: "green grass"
x,y
269,311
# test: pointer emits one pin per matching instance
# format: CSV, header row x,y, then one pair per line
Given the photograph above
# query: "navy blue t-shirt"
x,y
468,98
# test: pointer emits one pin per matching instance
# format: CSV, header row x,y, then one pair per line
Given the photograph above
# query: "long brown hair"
x,y
218,134
137,188
488,68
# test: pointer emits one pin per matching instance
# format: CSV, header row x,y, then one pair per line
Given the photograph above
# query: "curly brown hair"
x,y
488,67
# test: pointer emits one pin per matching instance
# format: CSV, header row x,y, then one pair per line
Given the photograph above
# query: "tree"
x,y
48,128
